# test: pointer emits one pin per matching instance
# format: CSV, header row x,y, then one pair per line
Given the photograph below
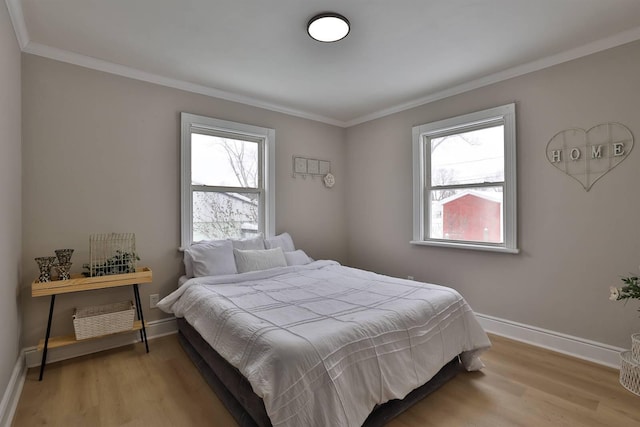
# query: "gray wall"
x,y
574,244
102,154
10,198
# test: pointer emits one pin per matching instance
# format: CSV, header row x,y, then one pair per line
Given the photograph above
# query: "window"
x,y
464,181
228,179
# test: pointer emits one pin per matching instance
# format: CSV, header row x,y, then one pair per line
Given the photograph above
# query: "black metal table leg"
x,y
136,296
136,293
46,338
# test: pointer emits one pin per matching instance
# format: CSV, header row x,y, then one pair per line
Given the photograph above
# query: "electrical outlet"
x,y
153,300
410,277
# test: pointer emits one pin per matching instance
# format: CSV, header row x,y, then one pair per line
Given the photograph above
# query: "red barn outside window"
x,y
474,216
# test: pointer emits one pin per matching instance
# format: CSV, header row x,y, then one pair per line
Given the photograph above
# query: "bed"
x,y
315,343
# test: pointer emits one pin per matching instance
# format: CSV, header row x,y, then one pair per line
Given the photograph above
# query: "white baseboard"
x,y
12,393
581,348
155,329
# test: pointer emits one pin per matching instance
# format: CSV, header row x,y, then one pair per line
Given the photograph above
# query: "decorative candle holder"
x,y
44,264
64,255
63,271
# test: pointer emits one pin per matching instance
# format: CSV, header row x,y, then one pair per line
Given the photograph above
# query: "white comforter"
x,y
322,344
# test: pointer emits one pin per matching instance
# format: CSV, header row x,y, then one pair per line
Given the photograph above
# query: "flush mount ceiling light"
x,y
328,27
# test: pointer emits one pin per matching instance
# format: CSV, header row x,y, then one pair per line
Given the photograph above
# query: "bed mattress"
x,y
248,409
323,344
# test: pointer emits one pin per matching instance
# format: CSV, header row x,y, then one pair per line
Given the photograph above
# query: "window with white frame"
x,y
464,181
228,177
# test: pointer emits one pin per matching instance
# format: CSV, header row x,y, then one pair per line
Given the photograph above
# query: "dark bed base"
x,y
247,408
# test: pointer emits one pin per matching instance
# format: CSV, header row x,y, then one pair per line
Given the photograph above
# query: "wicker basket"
x,y
94,321
629,373
635,347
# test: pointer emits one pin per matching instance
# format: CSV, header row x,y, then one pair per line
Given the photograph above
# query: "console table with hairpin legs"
x,y
79,283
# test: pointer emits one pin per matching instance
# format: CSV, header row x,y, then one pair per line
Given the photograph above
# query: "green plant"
x,y
120,263
630,290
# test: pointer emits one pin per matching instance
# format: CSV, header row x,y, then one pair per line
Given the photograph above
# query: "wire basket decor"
x,y
112,253
630,366
630,372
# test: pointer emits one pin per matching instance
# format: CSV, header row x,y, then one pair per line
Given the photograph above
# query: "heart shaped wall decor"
x,y
587,156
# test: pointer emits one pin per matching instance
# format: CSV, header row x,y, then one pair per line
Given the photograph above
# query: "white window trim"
x,y
192,121
509,208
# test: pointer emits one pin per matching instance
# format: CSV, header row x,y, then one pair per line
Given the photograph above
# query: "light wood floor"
x,y
521,386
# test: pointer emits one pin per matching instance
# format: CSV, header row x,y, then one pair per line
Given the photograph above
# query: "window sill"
x,y
457,245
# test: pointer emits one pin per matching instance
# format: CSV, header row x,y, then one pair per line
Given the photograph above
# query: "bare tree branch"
x,y
223,215
244,169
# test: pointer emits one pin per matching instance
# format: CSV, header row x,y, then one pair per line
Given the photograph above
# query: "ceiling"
x,y
399,54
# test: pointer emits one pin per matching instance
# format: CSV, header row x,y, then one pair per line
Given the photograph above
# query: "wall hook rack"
x,y
304,167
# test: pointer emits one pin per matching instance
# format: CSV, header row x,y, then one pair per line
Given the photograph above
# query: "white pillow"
x,y
298,257
187,259
259,260
212,258
255,243
188,264
283,241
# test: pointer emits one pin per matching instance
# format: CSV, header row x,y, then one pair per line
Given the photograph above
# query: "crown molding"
x,y
133,73
549,61
17,20
27,46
